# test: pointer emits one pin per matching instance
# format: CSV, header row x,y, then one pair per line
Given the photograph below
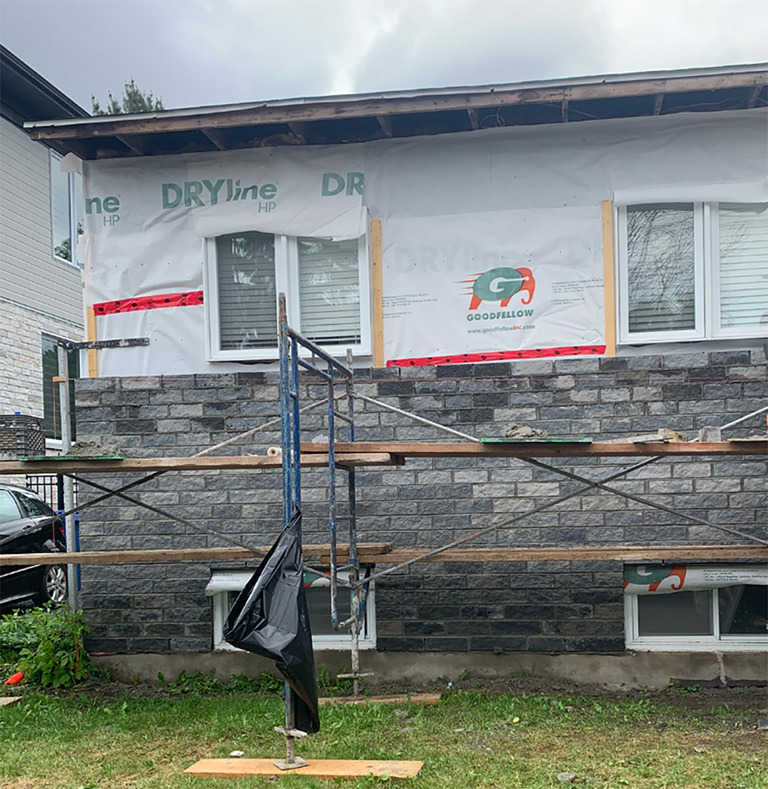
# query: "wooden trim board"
x,y
9,701
91,336
383,553
545,449
317,768
243,462
377,293
609,279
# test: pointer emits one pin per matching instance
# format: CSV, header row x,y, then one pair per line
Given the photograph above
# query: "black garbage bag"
x,y
270,618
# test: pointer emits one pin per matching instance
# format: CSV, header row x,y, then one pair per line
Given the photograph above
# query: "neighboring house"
x,y
588,256
40,283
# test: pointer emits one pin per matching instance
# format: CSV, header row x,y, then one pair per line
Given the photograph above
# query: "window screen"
x,y
743,250
660,250
245,272
329,290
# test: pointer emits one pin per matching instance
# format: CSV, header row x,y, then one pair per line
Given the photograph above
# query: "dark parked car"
x,y
23,529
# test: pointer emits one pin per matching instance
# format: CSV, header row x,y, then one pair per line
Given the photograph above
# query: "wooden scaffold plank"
x,y
533,448
384,553
237,462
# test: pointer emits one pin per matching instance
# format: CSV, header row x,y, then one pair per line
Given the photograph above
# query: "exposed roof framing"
x,y
361,118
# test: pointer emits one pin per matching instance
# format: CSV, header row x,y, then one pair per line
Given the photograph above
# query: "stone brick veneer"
x,y
538,606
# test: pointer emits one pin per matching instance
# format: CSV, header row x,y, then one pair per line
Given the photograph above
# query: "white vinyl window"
x,y
692,271
326,285
225,586
67,206
733,617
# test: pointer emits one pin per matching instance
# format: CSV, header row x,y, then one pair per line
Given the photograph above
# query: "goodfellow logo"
x,y
500,284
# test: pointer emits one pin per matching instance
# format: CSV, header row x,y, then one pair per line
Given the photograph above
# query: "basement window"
x,y
327,289
696,607
225,586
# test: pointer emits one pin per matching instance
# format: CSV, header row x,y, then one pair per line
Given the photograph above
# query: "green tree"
x,y
133,100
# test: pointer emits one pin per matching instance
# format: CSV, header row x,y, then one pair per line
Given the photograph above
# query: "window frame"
x,y
706,281
286,281
73,219
341,640
688,643
51,396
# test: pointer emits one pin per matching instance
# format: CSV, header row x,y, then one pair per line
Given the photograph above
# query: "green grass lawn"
x,y
470,739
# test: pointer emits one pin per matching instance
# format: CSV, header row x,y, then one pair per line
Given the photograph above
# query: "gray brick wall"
x,y
538,606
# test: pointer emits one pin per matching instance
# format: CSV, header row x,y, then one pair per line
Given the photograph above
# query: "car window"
x,y
32,506
8,509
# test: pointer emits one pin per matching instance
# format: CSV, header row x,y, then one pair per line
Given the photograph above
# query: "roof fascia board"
x,y
426,92
40,85
313,110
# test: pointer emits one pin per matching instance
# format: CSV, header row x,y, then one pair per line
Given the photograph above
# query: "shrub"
x,y
46,645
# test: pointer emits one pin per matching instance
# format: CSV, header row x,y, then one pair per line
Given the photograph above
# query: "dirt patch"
x,y
693,697
752,700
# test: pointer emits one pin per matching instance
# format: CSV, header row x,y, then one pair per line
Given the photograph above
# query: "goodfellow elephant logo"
x,y
500,284
653,576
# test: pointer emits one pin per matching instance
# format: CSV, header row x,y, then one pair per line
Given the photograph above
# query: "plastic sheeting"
x,y
453,208
146,217
664,579
504,280
270,618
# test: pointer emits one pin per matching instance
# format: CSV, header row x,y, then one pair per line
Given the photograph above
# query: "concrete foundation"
x,y
653,670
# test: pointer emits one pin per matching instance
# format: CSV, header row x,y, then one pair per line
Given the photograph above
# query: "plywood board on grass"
x,y
317,768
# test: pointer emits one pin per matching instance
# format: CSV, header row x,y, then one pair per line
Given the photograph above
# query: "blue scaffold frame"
x,y
291,361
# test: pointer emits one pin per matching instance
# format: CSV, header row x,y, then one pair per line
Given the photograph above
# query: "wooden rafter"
x,y
657,103
299,131
754,93
386,125
214,138
132,144
564,111
473,119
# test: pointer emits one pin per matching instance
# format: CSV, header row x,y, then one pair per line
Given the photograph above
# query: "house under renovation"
x,y
578,259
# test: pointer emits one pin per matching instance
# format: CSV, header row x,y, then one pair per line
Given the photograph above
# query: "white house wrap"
x,y
492,240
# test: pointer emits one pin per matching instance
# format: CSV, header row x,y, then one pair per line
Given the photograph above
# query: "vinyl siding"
x,y
29,273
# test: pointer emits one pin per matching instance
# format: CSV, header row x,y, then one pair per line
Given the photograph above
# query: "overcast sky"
x,y
198,52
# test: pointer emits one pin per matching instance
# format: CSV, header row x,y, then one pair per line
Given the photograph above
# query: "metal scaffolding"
x,y
343,456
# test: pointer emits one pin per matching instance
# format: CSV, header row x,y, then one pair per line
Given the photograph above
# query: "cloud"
x,y
197,52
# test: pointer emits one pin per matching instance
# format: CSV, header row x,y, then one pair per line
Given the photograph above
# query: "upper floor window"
x,y
325,282
692,271
66,210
